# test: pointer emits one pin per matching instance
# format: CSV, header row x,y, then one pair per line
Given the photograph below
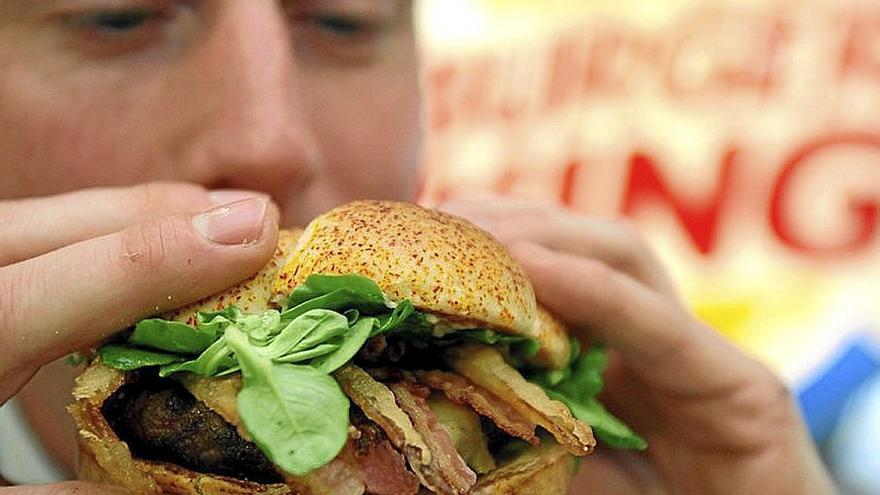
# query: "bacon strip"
x,y
380,405
457,477
461,391
486,367
338,478
382,468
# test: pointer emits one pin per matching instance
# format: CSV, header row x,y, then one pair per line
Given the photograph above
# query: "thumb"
x,y
80,294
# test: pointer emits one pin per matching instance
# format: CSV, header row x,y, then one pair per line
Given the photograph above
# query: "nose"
x,y
248,129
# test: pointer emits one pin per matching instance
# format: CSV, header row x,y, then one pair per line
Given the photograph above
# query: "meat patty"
x,y
161,421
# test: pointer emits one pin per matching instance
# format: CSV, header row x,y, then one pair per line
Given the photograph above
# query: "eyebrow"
x,y
21,7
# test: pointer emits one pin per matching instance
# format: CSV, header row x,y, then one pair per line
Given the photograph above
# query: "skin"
x,y
139,160
716,421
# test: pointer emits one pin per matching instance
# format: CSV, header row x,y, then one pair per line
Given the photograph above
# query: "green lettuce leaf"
x,y
261,328
417,330
609,430
308,354
348,347
172,336
306,331
127,358
578,386
297,415
217,321
390,322
336,292
213,361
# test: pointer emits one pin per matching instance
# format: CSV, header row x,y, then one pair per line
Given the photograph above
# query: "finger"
x,y
490,208
36,226
613,242
616,472
659,341
80,294
68,488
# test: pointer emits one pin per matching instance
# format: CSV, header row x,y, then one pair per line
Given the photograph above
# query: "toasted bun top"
x,y
442,263
252,295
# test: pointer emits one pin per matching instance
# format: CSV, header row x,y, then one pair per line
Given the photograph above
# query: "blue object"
x,y
823,399
851,451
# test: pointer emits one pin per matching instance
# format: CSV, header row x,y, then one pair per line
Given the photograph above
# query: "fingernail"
x,y
226,196
240,222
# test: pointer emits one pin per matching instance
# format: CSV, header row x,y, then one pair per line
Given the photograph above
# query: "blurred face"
x,y
313,101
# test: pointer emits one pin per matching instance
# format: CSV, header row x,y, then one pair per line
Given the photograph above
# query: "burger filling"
x,y
161,421
341,375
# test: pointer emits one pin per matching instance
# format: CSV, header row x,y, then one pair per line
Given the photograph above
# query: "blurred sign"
x,y
744,136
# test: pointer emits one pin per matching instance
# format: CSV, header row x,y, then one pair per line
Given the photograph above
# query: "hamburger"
x,y
387,349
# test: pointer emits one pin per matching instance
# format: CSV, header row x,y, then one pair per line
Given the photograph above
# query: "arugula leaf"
x,y
297,415
305,332
577,388
337,293
229,313
171,336
352,315
610,430
362,291
350,345
391,321
215,360
586,374
127,358
261,327
306,355
417,330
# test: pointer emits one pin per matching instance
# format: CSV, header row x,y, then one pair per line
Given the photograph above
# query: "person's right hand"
x,y
77,267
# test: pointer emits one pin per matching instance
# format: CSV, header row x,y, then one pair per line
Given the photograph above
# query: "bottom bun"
x,y
545,469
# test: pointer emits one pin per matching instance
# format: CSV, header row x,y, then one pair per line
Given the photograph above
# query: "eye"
x,y
343,25
338,27
333,31
116,31
118,22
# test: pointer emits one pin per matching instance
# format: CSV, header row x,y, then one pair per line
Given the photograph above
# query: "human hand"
x,y
716,421
74,268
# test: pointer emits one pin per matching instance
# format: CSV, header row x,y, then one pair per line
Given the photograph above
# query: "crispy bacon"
x,y
486,367
455,477
338,478
460,390
379,405
382,468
